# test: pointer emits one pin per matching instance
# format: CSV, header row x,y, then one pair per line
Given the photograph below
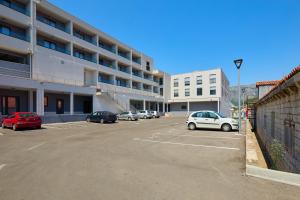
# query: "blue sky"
x,y
189,35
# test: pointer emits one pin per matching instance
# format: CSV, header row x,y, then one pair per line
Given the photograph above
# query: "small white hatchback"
x,y
211,120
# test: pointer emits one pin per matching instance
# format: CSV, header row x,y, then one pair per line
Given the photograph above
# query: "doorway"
x,y
87,107
60,106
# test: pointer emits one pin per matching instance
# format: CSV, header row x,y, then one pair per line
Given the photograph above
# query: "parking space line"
x,y
2,166
1,134
35,146
199,136
184,144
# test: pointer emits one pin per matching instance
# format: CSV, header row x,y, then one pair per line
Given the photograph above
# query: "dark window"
x,y
176,82
289,136
176,94
46,101
187,81
199,80
199,91
148,66
183,107
199,115
211,115
187,92
212,90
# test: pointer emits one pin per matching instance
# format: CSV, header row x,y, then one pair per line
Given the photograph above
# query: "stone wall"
x,y
279,118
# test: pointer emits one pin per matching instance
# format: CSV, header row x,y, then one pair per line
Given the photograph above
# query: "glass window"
x,y
176,94
176,82
212,90
187,92
211,115
5,30
199,80
199,91
183,107
212,78
199,115
187,81
45,101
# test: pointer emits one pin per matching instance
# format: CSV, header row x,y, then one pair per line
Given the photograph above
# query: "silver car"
x,y
131,116
155,114
144,114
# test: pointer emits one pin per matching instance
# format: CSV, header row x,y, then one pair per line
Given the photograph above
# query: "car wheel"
x,y
129,119
145,117
39,127
226,127
3,126
192,126
102,121
14,127
88,120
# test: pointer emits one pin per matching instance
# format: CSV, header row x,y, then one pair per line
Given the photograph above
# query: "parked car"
x,y
102,117
211,120
131,116
144,114
20,120
155,114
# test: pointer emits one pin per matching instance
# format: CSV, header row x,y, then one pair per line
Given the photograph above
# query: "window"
x,y
199,80
5,30
199,91
176,83
212,78
49,45
79,55
183,107
45,101
176,94
211,115
148,66
187,92
199,115
187,81
212,90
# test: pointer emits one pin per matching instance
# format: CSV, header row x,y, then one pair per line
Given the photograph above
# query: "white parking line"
x,y
2,166
184,144
1,134
199,136
35,146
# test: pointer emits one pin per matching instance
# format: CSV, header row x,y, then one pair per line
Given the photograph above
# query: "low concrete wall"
x,y
63,118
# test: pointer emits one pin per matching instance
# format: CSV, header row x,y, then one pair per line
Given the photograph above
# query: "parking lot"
x,y
145,159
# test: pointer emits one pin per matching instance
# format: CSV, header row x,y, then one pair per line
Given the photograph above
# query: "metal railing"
x,y
55,24
57,48
15,35
15,7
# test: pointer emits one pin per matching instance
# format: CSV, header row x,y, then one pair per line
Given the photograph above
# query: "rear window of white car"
x,y
199,114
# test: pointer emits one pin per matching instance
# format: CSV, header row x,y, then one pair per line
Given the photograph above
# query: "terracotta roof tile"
x,y
262,83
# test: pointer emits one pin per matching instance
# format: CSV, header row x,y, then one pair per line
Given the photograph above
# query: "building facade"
x,y
199,90
264,87
277,119
55,64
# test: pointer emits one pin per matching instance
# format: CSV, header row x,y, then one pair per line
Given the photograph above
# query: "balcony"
x,y
84,55
88,37
107,62
52,22
122,82
148,77
147,88
17,6
137,73
136,85
105,78
136,59
124,54
107,45
53,45
124,68
13,31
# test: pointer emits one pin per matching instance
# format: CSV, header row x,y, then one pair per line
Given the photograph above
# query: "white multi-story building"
x,y
199,90
55,64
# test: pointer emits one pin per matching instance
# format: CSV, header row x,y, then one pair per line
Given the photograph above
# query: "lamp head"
x,y
238,63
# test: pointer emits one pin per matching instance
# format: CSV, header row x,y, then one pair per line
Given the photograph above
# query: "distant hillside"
x,y
250,92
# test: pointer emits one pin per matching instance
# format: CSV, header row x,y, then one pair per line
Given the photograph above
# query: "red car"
x,y
22,120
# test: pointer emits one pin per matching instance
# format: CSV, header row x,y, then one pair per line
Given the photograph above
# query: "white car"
x,y
155,114
211,120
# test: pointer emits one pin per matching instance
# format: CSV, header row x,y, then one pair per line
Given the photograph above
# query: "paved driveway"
x,y
149,159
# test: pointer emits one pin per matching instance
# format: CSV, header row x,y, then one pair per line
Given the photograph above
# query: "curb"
x,y
273,175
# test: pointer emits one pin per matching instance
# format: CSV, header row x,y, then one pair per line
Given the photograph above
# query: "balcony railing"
x,y
107,47
124,55
14,69
87,58
86,38
16,7
124,70
137,74
136,61
56,48
15,34
101,80
55,24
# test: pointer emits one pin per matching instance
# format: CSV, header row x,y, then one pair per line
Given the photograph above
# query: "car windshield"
x,y
221,115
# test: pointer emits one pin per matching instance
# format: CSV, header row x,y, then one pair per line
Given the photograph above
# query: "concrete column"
x,y
30,100
71,103
157,106
144,104
164,107
188,107
40,101
218,105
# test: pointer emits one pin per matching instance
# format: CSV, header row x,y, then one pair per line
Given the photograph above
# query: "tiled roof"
x,y
281,82
262,83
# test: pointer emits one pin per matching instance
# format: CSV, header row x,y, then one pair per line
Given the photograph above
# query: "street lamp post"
x,y
238,64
